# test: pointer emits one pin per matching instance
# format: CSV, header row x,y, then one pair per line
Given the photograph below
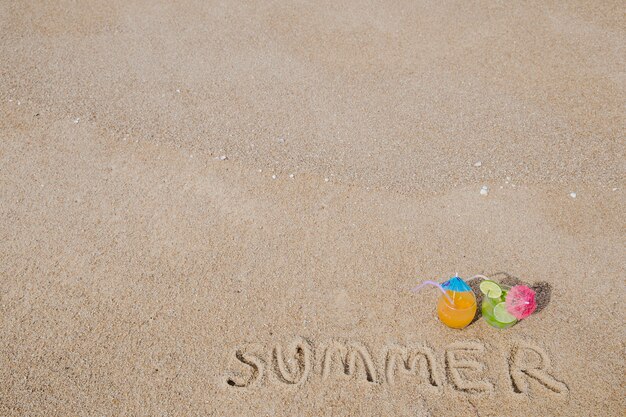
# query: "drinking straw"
x,y
480,276
436,284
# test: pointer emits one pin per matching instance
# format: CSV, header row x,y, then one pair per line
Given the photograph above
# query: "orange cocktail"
x,y
457,303
461,312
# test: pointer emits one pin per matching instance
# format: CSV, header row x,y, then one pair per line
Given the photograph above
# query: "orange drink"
x,y
457,304
461,312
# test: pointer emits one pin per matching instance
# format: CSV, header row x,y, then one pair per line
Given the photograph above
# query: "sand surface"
x,y
219,208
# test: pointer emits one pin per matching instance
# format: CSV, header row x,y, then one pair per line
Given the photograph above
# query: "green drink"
x,y
493,306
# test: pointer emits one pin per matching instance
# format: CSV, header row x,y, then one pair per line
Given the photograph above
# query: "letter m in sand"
x,y
418,360
351,359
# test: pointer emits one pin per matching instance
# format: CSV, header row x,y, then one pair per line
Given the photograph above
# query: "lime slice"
x,y
503,316
490,289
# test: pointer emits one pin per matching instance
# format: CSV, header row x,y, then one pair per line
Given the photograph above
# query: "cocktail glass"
x,y
460,312
488,306
456,307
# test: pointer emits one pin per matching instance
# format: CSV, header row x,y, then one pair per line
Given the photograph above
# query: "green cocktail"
x,y
494,307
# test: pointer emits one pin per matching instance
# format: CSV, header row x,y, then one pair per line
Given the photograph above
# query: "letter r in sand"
x,y
531,363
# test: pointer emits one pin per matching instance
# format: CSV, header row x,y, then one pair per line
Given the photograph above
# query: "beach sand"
x,y
220,208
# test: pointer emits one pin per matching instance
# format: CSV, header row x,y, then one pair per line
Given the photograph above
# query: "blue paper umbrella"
x,y
456,284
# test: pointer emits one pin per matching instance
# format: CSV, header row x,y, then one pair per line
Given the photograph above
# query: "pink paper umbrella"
x,y
520,301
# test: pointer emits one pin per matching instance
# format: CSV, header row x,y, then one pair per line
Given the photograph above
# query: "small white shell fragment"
x,y
223,158
326,180
291,175
273,177
478,164
76,120
572,194
484,190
